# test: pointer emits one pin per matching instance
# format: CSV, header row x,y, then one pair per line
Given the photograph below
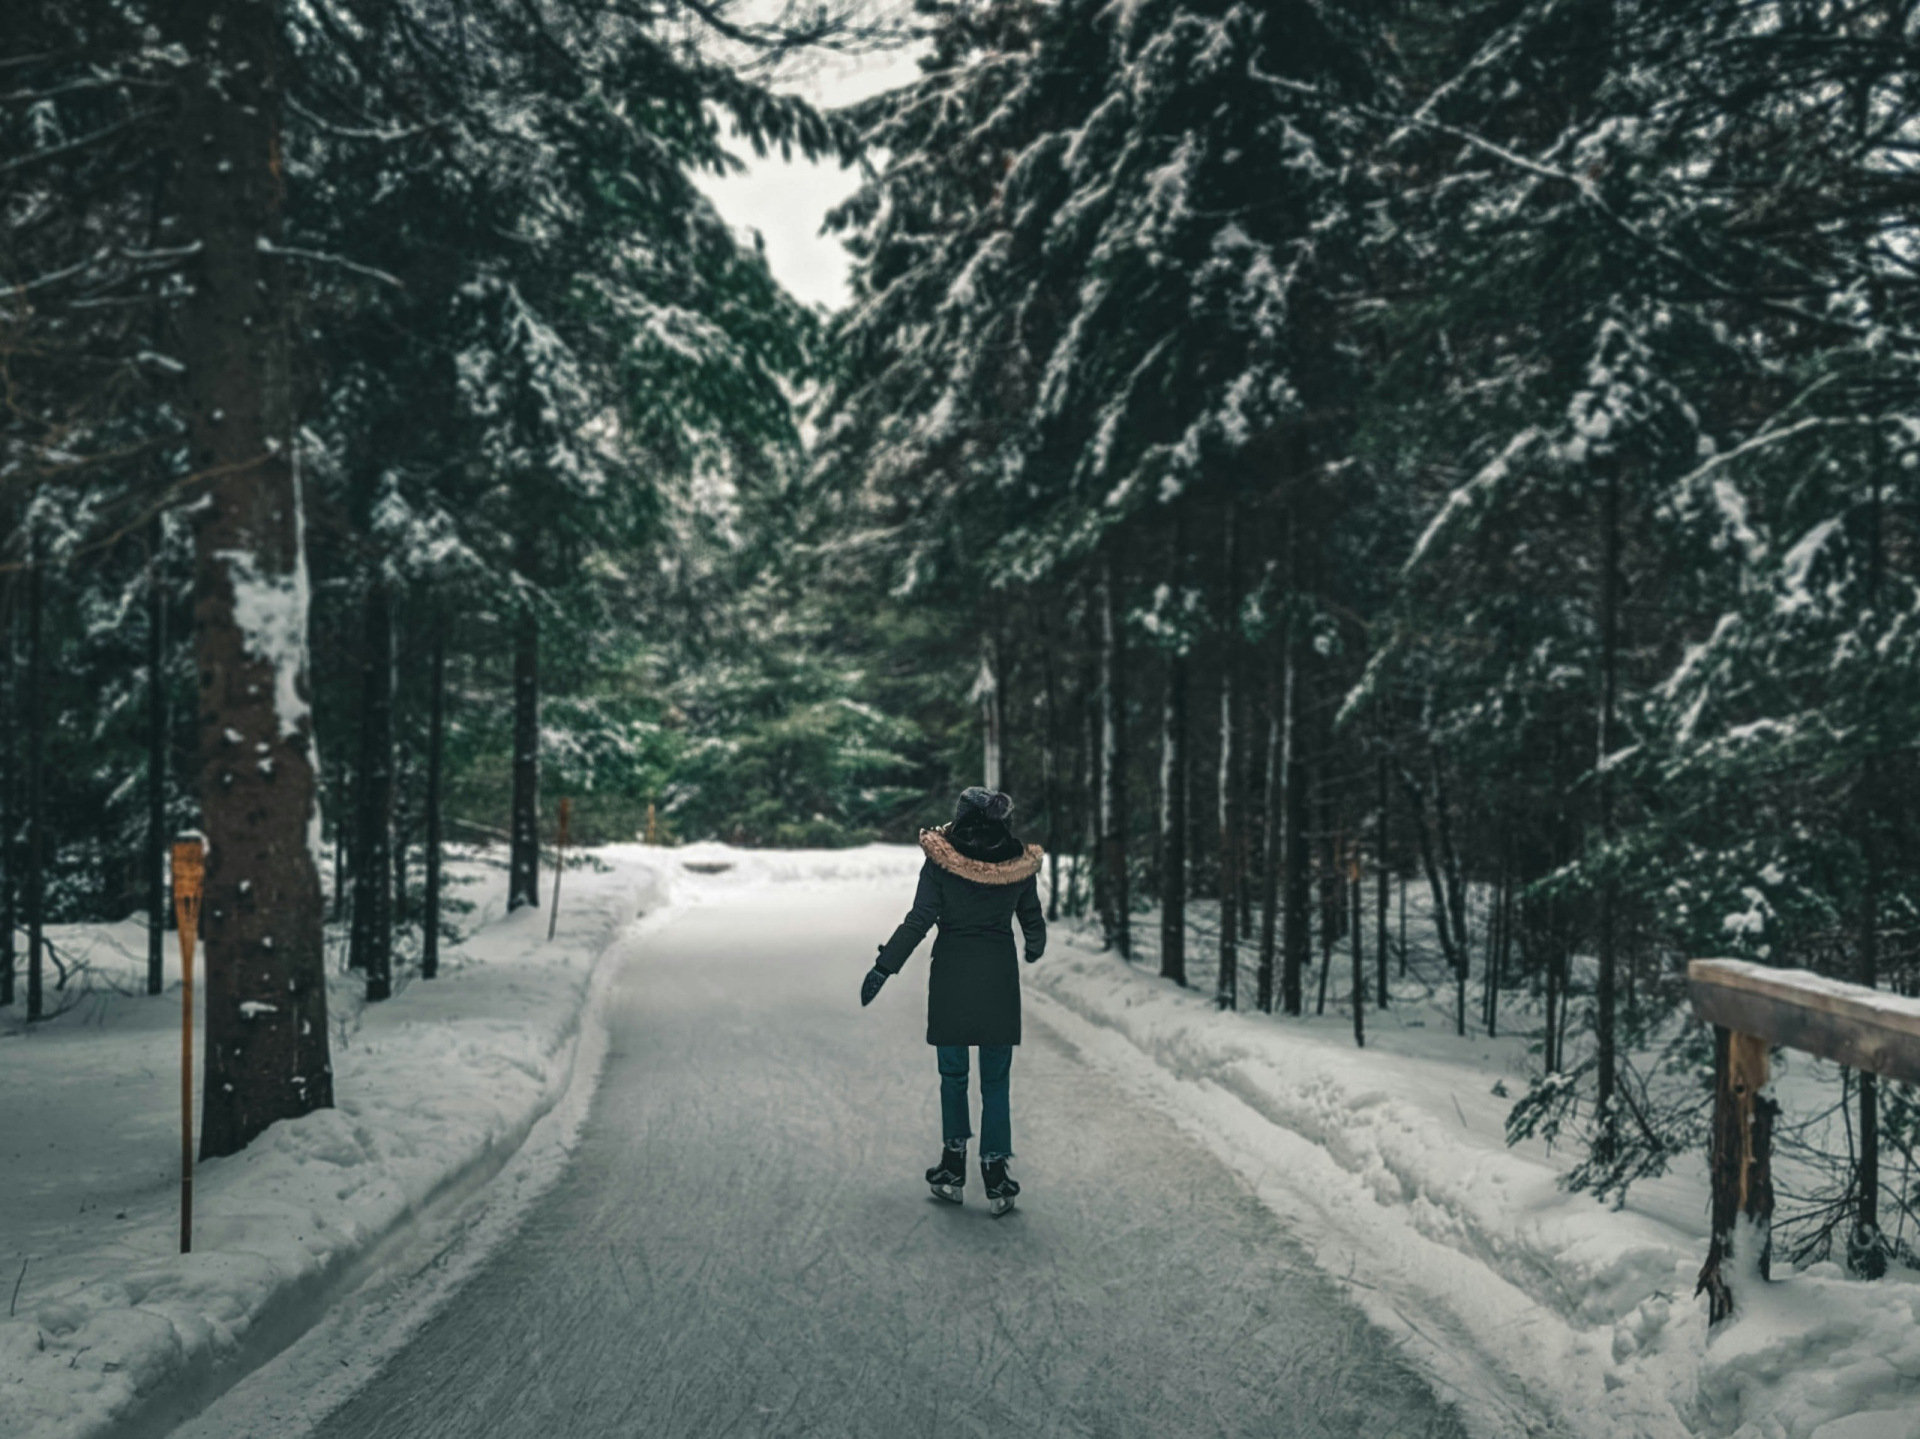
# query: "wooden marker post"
x,y
189,873
559,860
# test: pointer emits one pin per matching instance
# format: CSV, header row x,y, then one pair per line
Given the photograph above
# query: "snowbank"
x,y
1541,1311
112,1330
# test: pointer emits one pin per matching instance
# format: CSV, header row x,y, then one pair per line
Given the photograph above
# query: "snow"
x,y
113,1330
1535,1310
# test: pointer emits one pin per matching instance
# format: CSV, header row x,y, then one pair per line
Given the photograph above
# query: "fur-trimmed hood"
x,y
940,850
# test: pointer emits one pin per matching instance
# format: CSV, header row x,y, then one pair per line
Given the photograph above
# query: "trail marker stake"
x,y
189,876
559,863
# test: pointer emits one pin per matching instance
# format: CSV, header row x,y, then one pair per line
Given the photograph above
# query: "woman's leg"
x,y
996,1114
953,1093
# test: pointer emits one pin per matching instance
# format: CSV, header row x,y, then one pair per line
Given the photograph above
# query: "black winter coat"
x,y
973,994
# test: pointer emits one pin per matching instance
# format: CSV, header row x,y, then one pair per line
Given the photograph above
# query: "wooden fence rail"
x,y
1753,1008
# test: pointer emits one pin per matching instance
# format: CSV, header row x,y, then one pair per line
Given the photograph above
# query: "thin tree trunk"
x,y
156,855
1173,821
1609,661
1049,781
1297,948
1359,958
1866,1251
373,895
1272,852
523,862
986,689
1382,878
1443,927
1113,751
1329,895
1297,941
36,740
1227,985
436,746
266,1021
1092,788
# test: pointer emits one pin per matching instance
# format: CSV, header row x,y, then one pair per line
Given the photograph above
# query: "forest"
x,y
1307,451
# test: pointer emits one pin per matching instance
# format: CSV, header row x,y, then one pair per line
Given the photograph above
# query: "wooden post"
x,y
189,872
653,825
559,859
1742,1163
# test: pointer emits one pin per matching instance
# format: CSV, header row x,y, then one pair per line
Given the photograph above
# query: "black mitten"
x,y
870,986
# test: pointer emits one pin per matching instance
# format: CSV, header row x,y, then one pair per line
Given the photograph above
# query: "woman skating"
x,y
976,880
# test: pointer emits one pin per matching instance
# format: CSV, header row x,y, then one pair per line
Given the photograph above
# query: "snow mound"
x,y
115,1332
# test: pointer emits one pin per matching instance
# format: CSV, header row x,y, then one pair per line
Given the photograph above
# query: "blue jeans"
x,y
996,1117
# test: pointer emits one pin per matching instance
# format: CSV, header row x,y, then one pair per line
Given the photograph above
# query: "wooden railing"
x,y
1753,1008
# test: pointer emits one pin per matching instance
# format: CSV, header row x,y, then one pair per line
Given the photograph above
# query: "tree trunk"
x,y
1113,766
1049,780
1356,928
373,864
157,837
1609,661
1866,1250
1092,789
436,747
36,890
1330,915
266,1051
1295,862
986,689
1173,821
1382,878
1271,852
1226,988
9,793
523,863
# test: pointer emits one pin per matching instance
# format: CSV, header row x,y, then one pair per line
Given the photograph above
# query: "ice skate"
x,y
949,1177
1001,1187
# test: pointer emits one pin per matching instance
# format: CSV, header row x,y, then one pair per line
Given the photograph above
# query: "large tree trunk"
x,y
373,858
523,862
9,792
436,746
36,889
266,1051
1113,765
156,855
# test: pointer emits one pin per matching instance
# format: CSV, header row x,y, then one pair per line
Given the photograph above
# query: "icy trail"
x,y
741,1242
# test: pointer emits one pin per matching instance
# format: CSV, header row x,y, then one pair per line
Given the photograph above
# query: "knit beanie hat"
x,y
979,802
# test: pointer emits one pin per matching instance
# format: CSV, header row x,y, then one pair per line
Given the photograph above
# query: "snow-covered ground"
x,y
1537,1311
108,1328
1524,1300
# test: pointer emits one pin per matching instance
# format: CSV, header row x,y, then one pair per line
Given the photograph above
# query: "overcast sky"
x,y
787,202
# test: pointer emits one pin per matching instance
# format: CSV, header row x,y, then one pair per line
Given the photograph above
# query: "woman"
x,y
976,878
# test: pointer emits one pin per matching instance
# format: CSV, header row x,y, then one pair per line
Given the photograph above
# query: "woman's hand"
x,y
870,986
